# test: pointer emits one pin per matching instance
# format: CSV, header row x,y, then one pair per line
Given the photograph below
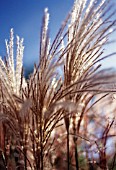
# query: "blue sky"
x,y
25,17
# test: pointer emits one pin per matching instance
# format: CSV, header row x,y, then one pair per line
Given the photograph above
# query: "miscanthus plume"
x,y
37,112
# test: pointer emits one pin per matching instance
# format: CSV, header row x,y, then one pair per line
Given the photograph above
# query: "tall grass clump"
x,y
61,117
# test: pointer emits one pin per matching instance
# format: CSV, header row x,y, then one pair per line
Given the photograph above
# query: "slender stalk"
x,y
67,124
37,158
75,143
25,158
68,154
33,141
25,148
76,153
41,143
